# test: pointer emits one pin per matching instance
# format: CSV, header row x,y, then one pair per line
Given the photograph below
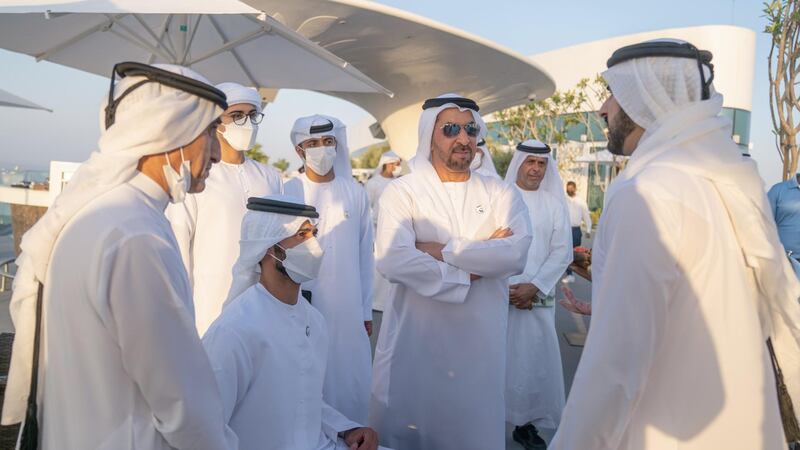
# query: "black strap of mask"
x,y
29,437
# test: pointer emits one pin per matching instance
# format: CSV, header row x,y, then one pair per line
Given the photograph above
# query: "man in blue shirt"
x,y
784,199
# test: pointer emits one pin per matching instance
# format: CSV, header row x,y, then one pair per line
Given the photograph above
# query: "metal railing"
x,y
5,275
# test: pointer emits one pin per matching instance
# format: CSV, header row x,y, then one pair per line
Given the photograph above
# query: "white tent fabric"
x,y
10,100
225,40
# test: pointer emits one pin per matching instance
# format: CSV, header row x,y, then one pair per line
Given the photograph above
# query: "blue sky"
x,y
32,138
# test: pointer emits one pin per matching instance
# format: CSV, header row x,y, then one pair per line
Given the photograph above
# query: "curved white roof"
x,y
414,57
733,49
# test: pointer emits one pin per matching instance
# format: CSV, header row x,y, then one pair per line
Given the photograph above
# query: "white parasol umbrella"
x,y
224,40
13,101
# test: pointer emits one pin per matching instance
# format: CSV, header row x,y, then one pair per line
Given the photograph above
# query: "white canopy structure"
x,y
10,100
225,40
414,57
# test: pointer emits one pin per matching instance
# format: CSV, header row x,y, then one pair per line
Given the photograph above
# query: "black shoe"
x,y
528,437
520,435
536,441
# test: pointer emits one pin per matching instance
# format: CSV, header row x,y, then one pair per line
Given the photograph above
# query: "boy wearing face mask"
x,y
269,347
343,290
207,225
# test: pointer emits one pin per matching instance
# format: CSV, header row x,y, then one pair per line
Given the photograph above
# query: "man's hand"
x,y
574,305
361,439
435,249
432,248
522,295
368,327
522,304
501,233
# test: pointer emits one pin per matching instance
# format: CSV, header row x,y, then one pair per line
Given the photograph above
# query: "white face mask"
x,y
476,161
240,137
178,183
396,171
303,261
320,159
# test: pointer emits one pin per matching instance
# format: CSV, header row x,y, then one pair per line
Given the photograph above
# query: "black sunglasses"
x,y
451,130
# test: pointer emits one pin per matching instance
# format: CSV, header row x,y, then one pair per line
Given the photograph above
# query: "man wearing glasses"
x,y
207,225
449,240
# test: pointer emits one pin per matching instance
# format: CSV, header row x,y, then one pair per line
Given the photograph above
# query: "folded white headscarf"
x,y
301,131
662,95
152,119
386,158
551,182
487,167
421,162
236,93
260,231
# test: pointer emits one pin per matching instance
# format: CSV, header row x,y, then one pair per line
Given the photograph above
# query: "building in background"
x,y
734,65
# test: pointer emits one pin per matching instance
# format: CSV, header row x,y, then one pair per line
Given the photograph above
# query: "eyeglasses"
x,y
307,233
240,118
451,130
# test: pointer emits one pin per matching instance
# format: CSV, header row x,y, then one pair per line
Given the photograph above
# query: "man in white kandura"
x,y
579,217
483,163
207,224
388,169
534,376
449,239
122,366
269,347
689,275
343,290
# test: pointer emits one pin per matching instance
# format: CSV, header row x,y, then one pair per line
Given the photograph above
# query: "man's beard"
x,y
457,165
622,127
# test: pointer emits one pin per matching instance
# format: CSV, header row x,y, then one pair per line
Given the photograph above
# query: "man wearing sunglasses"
x,y
207,225
449,239
343,290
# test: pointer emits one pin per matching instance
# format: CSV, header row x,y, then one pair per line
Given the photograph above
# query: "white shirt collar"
x,y
157,196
